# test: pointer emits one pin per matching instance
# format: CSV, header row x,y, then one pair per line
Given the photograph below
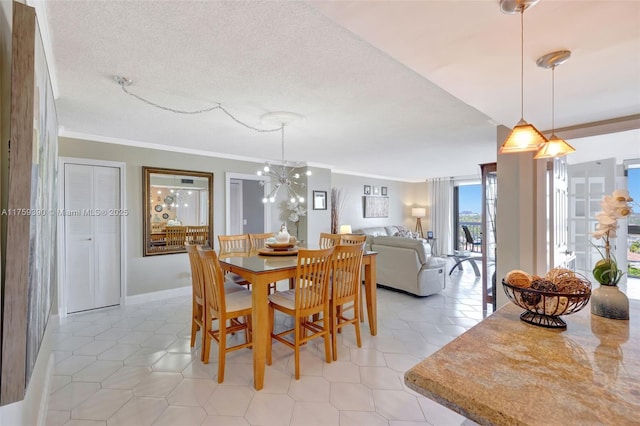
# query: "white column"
x,y
519,215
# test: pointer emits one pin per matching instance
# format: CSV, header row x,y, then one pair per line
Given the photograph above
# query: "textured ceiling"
x,y
406,90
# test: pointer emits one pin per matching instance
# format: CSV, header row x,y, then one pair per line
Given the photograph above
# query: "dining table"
x,y
261,270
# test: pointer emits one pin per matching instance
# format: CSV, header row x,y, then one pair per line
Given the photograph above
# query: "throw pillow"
x,y
403,234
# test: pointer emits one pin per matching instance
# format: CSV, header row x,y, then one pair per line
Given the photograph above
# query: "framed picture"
x,y
376,190
430,235
376,206
367,190
30,272
383,191
319,200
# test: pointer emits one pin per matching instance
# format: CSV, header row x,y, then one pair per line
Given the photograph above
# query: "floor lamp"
x,y
419,212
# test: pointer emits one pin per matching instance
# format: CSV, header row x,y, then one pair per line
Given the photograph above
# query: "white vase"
x,y
283,236
609,302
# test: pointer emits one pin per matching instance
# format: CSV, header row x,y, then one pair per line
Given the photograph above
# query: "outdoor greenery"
x,y
470,217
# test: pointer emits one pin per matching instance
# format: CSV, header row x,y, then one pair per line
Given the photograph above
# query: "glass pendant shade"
x,y
554,147
524,137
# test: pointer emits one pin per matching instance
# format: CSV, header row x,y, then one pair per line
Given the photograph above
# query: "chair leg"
x,y
327,341
194,330
249,332
195,312
357,324
334,333
269,340
222,349
361,305
206,344
296,346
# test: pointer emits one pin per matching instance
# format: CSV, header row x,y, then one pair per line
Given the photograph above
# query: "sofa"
x,y
403,262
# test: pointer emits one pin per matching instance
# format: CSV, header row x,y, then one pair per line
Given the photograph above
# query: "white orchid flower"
x,y
605,218
622,195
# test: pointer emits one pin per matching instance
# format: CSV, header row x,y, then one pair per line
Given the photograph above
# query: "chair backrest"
x,y
234,243
198,234
467,234
328,240
259,240
175,236
213,283
158,226
197,279
349,239
312,279
345,277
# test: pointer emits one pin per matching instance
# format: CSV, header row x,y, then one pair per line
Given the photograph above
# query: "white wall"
x,y
318,220
164,272
402,197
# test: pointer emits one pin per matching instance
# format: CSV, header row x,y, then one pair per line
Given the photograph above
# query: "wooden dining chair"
x,y
198,235
259,240
228,308
349,239
197,285
235,244
328,240
175,237
345,290
309,297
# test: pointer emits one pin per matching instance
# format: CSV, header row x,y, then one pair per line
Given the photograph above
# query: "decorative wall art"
x,y
376,206
319,200
367,190
383,191
32,207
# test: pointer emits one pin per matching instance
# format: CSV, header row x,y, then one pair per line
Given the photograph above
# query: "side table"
x,y
463,257
434,248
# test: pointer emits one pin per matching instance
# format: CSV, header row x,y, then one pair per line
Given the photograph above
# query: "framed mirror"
x,y
177,207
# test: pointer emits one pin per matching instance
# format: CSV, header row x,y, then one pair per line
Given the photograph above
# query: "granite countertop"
x,y
504,371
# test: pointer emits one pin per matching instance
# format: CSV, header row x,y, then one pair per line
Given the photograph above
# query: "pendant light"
x,y
524,136
554,147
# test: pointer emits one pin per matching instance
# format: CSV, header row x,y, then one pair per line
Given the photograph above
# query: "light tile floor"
x,y
133,366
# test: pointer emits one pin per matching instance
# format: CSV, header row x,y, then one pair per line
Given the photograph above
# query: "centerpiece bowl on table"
x,y
560,292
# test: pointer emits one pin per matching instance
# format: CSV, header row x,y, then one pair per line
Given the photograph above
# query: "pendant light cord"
x,y
553,99
283,162
522,62
123,82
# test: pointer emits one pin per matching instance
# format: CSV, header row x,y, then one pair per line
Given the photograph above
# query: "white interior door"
x,y
558,199
92,236
588,183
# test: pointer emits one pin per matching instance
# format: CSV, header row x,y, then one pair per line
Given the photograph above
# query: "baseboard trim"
x,y
44,400
138,299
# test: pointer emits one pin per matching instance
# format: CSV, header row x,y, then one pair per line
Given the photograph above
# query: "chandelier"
x,y
280,175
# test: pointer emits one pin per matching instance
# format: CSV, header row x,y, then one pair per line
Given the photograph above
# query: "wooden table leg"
x,y
370,292
260,322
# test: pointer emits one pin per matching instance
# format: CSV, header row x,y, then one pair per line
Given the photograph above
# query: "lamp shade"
x,y
418,212
555,147
345,229
524,137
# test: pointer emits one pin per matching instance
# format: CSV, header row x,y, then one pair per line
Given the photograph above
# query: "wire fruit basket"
x,y
544,308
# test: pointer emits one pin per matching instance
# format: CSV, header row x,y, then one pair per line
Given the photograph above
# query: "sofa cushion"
x,y
375,231
422,248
